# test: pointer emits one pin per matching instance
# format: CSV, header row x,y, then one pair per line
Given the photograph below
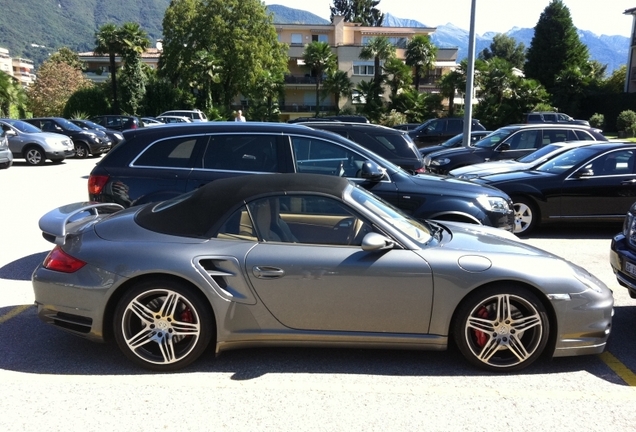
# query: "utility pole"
x,y
470,75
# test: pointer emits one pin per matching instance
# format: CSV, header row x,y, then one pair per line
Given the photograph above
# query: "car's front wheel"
x,y
526,215
81,151
501,328
162,325
34,156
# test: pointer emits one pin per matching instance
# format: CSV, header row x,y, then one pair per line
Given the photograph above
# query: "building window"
x,y
319,38
398,42
296,38
366,69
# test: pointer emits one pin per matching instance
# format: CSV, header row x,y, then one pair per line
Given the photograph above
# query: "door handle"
x,y
265,272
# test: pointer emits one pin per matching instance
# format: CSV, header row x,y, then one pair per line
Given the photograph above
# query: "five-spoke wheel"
x,y
525,216
34,156
162,325
81,151
502,328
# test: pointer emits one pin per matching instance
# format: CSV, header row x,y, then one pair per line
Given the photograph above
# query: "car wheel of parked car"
x,y
5,165
526,215
501,328
81,151
34,156
162,325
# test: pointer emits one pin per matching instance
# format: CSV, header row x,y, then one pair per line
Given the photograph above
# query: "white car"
x,y
193,115
30,143
173,119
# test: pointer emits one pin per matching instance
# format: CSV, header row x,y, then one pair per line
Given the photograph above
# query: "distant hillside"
x,y
36,28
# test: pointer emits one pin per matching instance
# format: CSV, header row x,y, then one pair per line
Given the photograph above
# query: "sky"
x,y
602,17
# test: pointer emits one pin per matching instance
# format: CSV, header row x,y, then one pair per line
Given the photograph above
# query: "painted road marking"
x,y
14,312
619,368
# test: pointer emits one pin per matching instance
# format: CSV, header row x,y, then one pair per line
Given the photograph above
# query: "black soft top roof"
x,y
194,214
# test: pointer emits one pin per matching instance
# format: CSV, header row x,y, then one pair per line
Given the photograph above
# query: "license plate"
x,y
630,268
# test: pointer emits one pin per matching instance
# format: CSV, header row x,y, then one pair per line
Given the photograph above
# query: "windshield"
x,y
412,228
538,154
567,160
494,138
423,125
68,125
23,126
452,142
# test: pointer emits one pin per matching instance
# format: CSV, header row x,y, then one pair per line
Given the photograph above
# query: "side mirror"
x,y
9,132
374,242
372,171
503,147
588,172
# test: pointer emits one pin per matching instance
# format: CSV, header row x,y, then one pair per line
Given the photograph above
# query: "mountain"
x,y
34,29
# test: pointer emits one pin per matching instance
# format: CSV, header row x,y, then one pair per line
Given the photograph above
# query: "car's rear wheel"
x,y
162,325
526,215
81,151
501,328
34,156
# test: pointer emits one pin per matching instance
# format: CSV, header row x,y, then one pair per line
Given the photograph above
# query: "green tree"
x,y
371,93
505,47
264,97
319,58
107,41
397,74
134,41
379,49
364,12
338,84
12,96
91,100
420,54
555,46
56,83
451,83
68,56
239,34
616,82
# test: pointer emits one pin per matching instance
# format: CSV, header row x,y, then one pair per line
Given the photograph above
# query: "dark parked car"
x,y
594,183
86,142
393,145
623,253
455,142
407,126
118,122
553,117
438,130
341,118
154,164
307,260
509,142
115,136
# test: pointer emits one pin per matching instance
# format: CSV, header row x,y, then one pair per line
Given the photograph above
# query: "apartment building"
x,y
98,66
19,68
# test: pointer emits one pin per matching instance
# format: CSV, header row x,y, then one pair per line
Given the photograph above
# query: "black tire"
x,y
5,165
164,340
81,151
526,215
34,155
502,328
57,161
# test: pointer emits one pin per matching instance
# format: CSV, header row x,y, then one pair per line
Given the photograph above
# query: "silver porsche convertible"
x,y
308,260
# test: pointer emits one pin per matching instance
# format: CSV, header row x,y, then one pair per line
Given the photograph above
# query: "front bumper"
x,y
623,262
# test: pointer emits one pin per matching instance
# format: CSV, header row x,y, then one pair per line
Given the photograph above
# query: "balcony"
x,y
300,79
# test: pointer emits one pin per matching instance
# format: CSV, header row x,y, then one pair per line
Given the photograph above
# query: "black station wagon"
x,y
154,164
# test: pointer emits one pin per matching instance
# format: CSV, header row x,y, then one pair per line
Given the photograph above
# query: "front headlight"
x,y
440,162
494,204
119,136
629,228
587,279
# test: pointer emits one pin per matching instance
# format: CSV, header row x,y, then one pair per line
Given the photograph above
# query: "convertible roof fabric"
x,y
195,213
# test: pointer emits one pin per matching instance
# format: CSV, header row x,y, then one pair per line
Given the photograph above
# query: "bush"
x,y
597,120
626,121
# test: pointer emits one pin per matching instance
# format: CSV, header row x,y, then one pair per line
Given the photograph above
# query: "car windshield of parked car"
x,y
69,126
567,160
540,153
412,228
493,139
92,125
423,126
24,126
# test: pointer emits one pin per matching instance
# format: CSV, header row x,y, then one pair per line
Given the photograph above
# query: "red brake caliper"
x,y
480,335
186,315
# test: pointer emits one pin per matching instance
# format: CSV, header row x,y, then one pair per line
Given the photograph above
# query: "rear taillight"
x,y
96,184
58,260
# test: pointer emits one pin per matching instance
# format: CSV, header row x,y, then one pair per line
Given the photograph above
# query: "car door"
x,y
323,283
603,187
518,144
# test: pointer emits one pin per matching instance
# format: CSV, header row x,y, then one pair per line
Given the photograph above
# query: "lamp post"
x,y
470,74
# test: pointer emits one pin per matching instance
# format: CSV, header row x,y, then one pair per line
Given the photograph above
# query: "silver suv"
x,y
30,143
194,115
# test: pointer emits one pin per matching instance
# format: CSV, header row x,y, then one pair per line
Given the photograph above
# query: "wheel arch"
x,y
550,346
109,311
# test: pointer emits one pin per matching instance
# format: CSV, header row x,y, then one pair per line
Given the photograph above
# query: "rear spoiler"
x,y
54,223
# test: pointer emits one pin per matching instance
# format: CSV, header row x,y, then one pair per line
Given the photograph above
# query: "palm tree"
x,y
132,39
379,48
11,93
420,53
108,41
319,58
449,84
397,74
338,84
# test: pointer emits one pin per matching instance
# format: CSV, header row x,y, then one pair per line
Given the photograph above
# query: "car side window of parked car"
x,y
242,152
615,163
525,140
168,153
322,157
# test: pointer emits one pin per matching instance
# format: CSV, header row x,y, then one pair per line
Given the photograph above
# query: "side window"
x,y
323,157
308,219
525,139
251,153
582,135
550,117
169,153
238,227
556,135
619,162
454,125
